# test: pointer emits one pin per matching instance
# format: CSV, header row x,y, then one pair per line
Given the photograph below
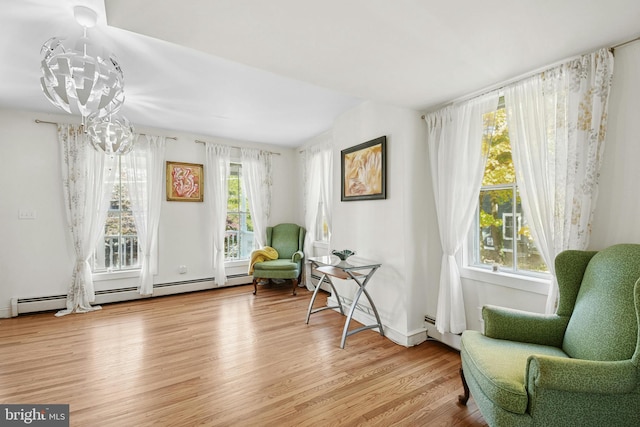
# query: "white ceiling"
x,y
280,71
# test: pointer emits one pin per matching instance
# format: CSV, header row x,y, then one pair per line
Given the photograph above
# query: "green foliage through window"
x,y
239,241
502,235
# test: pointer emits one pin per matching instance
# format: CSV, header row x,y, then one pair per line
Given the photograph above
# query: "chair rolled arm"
x,y
523,326
580,376
297,256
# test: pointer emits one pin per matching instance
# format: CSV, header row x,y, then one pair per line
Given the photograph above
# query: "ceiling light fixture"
x,y
112,135
80,78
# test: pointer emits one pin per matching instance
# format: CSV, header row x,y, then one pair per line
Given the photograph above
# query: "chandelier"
x,y
112,134
81,78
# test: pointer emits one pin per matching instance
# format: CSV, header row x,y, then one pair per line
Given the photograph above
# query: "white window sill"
x,y
115,275
321,244
537,285
238,263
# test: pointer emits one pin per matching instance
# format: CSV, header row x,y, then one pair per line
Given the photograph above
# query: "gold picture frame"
x,y
364,171
185,182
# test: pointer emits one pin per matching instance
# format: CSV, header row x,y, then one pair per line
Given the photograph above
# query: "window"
x,y
322,226
120,249
501,236
238,242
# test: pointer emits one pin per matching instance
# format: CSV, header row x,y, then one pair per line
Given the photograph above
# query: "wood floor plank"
x,y
226,357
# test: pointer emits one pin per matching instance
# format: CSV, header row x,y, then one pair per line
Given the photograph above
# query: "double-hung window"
x,y
117,248
239,241
501,237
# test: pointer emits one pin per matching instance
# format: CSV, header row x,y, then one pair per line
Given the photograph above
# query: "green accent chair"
x,y
578,367
288,240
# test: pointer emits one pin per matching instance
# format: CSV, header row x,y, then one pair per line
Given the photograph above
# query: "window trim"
x,y
537,283
237,263
519,281
116,275
321,244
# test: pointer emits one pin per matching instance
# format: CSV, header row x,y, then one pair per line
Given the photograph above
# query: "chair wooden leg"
x,y
255,285
463,399
295,285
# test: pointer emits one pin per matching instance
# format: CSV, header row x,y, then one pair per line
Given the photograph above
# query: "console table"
x,y
358,271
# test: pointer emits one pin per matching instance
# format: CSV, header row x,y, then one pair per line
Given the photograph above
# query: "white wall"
x,y
386,230
36,257
618,209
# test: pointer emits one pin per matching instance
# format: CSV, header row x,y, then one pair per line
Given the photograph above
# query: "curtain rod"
x,y
54,123
615,46
526,75
235,146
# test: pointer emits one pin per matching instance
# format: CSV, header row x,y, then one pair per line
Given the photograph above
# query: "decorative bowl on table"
x,y
343,255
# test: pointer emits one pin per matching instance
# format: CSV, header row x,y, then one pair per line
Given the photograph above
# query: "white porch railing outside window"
x,y
117,253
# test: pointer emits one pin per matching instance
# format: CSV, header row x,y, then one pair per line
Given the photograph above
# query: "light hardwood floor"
x,y
226,358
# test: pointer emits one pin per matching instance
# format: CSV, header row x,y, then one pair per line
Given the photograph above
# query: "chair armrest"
x,y
297,256
516,325
580,376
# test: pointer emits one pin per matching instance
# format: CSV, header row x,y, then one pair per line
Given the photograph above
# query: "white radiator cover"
x,y
452,340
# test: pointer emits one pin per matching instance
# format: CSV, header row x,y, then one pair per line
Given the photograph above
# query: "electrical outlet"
x,y
27,214
182,269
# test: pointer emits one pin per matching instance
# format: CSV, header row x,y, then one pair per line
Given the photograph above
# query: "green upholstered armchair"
x,y
579,367
288,241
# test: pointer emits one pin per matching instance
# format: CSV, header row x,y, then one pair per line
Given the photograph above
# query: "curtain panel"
x,y
87,183
457,160
557,125
217,169
257,179
318,173
144,167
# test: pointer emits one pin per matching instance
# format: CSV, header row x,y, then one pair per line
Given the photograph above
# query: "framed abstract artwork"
x,y
363,171
185,182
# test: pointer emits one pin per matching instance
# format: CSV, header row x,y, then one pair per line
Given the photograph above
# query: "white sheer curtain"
x,y
144,168
327,187
318,174
257,179
217,169
87,181
457,162
557,126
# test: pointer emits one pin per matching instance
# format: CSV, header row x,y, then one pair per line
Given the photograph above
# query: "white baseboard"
x,y
5,313
407,340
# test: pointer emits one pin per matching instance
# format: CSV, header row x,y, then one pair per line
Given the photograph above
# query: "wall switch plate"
x,y
27,214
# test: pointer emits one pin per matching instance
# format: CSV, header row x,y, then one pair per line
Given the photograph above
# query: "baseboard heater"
x,y
452,340
315,279
57,302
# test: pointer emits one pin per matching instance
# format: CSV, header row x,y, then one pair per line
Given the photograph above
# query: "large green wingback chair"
x,y
579,367
288,241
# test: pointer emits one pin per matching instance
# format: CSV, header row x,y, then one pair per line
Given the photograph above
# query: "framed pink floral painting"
x,y
184,182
